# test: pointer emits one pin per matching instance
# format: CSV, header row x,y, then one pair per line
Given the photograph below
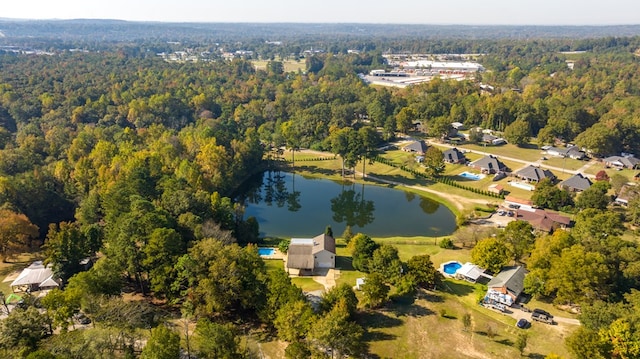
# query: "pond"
x,y
289,205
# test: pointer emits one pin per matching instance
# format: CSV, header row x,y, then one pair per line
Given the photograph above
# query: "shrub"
x,y
446,243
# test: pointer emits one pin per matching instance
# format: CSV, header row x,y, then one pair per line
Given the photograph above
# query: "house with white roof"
x,y
34,278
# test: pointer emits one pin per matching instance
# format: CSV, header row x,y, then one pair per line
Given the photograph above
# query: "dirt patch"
x,y
11,276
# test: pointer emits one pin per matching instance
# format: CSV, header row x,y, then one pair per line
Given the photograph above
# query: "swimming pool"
x,y
471,176
450,268
266,251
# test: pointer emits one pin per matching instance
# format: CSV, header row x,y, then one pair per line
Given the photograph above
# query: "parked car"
x,y
523,323
542,316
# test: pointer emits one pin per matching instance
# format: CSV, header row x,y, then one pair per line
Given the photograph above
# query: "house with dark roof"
x,y
453,155
576,183
621,162
489,164
542,220
419,147
309,254
506,286
535,174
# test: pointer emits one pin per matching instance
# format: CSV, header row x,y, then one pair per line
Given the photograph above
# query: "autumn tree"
x,y
434,162
294,320
548,195
519,238
585,285
335,330
16,233
421,268
490,253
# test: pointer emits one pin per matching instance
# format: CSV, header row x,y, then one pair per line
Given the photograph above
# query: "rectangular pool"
x,y
265,252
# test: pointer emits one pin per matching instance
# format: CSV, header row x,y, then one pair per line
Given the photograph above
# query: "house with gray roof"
x,y
489,164
507,285
453,155
35,277
622,162
309,254
419,147
627,194
571,152
576,183
535,174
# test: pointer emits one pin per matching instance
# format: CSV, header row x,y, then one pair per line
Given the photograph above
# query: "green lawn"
x,y
307,284
594,169
531,154
567,163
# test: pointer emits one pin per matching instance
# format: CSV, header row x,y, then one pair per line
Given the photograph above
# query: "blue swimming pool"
x,y
471,176
266,251
451,267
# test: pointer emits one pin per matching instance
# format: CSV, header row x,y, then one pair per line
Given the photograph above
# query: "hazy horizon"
x,y
409,12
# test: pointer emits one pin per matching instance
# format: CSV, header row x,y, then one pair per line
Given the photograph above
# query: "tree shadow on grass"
x,y
344,263
536,356
414,311
459,288
505,341
378,336
430,297
377,319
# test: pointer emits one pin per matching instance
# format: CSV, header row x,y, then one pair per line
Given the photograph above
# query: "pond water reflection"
x,y
289,205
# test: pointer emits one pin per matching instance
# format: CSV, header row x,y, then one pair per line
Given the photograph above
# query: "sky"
x,y
465,12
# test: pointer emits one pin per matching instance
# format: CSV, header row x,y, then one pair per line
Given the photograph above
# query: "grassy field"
x,y
611,171
289,65
568,164
530,153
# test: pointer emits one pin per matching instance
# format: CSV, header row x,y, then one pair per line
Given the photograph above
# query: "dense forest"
x,y
118,155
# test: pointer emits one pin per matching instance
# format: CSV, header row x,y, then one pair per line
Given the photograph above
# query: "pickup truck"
x,y
542,316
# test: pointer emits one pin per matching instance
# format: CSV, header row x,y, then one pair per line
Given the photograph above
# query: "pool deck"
x,y
276,255
448,275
